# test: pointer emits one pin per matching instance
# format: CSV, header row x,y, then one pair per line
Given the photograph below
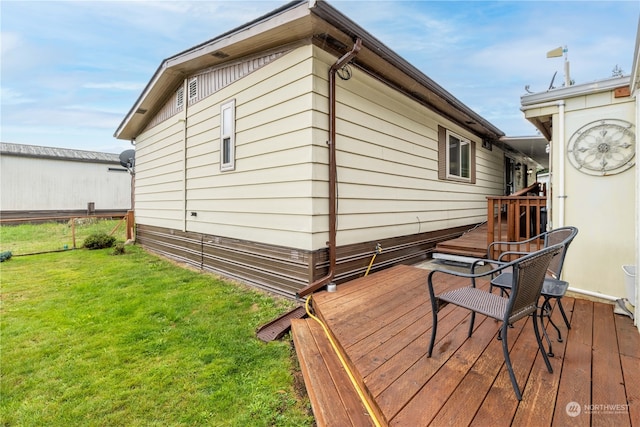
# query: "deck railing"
x,y
516,218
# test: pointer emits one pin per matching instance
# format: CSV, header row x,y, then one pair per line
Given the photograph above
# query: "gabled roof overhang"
x,y
301,20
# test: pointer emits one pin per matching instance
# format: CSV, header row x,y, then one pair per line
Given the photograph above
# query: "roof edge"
x,y
42,152
325,11
165,65
320,8
596,86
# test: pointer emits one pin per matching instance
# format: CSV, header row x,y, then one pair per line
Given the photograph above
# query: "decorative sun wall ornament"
x,y
603,147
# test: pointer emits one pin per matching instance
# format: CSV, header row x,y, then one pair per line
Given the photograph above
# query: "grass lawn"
x,y
89,338
53,236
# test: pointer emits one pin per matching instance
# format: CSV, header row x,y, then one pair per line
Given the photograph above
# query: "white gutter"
x,y
561,153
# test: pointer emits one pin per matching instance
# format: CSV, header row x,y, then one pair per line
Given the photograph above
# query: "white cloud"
x,y
10,41
13,97
79,66
127,86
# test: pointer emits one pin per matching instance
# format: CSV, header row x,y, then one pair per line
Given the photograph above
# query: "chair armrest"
x,y
471,276
512,253
513,243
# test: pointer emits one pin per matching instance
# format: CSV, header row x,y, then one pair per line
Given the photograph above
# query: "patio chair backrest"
x,y
564,236
528,277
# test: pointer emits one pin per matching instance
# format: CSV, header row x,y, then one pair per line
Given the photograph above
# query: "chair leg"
x,y
564,316
434,327
507,360
539,339
545,311
471,322
548,310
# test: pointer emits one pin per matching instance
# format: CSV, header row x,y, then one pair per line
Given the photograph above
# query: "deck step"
x,y
451,248
456,258
334,399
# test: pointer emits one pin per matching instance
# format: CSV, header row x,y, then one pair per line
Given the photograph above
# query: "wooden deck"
x,y
381,325
471,244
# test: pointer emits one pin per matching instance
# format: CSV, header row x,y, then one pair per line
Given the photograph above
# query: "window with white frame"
x,y
228,135
458,157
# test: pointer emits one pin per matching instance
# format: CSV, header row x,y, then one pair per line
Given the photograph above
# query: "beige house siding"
x,y
387,162
266,197
159,182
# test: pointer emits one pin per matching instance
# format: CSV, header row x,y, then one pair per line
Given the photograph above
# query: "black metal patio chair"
x,y
553,287
528,273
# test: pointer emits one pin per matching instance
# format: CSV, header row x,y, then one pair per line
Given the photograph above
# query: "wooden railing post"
x,y
130,225
523,216
491,212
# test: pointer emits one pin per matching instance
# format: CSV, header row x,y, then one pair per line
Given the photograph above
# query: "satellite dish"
x,y
128,159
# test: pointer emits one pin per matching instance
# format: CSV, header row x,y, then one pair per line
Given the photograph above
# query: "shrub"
x,y
5,256
99,241
118,249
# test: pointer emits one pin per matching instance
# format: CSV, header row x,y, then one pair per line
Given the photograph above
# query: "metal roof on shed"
x,y
22,150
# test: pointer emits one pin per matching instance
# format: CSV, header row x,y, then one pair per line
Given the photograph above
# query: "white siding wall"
x,y
277,194
31,183
388,164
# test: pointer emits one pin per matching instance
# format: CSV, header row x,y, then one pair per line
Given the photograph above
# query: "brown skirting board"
x,y
285,270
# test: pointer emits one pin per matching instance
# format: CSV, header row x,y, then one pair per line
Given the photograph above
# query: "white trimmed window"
x,y
180,98
193,88
228,135
458,157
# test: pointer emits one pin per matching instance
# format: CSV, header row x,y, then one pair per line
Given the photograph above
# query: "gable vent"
x,y
193,88
180,98
220,54
141,111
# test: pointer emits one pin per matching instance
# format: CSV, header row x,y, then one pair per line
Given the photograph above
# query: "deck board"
x,y
335,400
383,324
473,243
542,389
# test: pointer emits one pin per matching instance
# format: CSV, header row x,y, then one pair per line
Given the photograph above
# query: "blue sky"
x,y
71,70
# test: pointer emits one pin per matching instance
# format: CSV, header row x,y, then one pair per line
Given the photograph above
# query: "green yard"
x,y
56,235
90,338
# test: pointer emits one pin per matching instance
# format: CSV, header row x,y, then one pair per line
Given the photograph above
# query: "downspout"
x,y
333,171
561,159
561,155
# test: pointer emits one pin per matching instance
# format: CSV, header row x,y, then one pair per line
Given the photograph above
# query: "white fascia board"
x,y
575,90
234,37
